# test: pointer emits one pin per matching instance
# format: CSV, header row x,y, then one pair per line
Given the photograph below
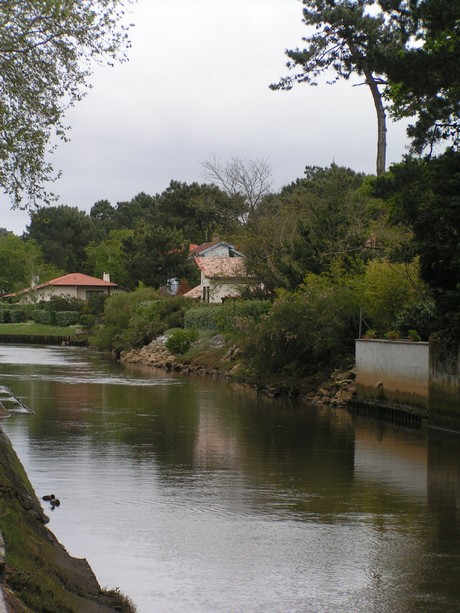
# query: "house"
x,y
216,248
73,285
221,278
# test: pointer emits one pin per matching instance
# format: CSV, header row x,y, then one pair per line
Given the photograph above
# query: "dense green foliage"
x,y
134,319
179,340
231,315
304,329
67,318
424,194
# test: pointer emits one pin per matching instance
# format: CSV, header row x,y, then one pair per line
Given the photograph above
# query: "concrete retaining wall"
x,y
421,377
393,372
444,375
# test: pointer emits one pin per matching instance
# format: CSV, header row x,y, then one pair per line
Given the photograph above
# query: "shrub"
x,y
87,320
227,316
421,316
5,316
17,316
62,303
40,316
303,329
413,335
179,340
202,318
67,318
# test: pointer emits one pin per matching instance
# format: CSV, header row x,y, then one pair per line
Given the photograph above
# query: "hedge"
x,y
41,316
67,318
225,316
18,316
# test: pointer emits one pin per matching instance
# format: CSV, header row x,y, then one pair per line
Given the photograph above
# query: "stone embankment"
x,y
335,391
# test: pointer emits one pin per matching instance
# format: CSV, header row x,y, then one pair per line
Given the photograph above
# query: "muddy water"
x,y
194,497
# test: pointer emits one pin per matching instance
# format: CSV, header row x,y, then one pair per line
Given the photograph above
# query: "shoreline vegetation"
x,y
219,359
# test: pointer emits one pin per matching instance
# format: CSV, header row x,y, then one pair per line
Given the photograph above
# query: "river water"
x,y
193,496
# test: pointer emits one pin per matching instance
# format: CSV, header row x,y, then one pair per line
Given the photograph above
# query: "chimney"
x,y
106,276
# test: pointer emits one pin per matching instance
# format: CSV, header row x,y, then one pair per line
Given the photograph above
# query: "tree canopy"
x,y
424,78
47,50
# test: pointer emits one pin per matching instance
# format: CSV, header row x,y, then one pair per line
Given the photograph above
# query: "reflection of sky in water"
x,y
72,370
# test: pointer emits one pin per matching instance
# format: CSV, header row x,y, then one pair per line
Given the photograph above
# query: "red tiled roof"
x,y
77,278
71,280
222,268
195,292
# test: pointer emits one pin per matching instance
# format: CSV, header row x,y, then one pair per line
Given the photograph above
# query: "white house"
x,y
74,285
221,278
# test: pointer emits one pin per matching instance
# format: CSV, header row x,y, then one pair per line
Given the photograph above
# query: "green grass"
x,y
32,329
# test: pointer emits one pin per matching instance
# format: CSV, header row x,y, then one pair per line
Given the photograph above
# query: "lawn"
x,y
32,329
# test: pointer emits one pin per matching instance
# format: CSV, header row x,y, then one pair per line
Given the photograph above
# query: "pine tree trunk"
x,y
381,123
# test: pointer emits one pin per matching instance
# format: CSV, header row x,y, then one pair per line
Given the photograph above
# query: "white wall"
x,y
396,372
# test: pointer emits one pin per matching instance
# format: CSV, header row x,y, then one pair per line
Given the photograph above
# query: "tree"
x,y
424,78
245,182
21,264
62,232
103,215
347,39
310,225
424,194
154,254
109,256
200,211
47,51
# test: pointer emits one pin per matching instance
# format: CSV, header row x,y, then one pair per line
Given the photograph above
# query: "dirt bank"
x,y
39,574
217,359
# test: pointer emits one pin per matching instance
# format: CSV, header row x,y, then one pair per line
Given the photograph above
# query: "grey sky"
x,y
196,86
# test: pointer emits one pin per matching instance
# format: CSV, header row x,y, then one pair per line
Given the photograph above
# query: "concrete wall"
x,y
444,400
393,372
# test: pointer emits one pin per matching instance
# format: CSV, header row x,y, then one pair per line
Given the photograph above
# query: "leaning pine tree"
x,y
348,39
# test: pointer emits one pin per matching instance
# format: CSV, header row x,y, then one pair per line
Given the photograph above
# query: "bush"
x,y
63,303
40,316
303,330
87,320
179,340
67,318
227,316
421,316
17,316
5,316
202,318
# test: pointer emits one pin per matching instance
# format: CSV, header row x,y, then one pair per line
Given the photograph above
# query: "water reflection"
x,y
193,496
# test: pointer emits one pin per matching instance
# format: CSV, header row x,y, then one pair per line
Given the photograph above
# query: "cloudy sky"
x,y
196,86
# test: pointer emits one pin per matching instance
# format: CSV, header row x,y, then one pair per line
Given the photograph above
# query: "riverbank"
x,y
218,359
39,574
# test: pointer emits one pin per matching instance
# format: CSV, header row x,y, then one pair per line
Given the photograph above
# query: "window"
x,y
90,293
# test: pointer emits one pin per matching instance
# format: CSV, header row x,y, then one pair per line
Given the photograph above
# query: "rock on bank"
x,y
38,573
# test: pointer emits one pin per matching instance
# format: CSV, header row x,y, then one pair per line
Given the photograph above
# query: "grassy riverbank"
x,y
30,328
40,574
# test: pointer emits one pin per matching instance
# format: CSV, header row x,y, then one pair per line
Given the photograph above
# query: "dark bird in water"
x,y
55,503
49,497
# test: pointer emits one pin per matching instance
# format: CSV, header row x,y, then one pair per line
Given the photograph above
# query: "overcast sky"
x,y
196,86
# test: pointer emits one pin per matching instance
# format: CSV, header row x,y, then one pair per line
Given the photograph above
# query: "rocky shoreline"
x,y
334,390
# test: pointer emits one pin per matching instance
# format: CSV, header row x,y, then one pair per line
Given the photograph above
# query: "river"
x,y
193,496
